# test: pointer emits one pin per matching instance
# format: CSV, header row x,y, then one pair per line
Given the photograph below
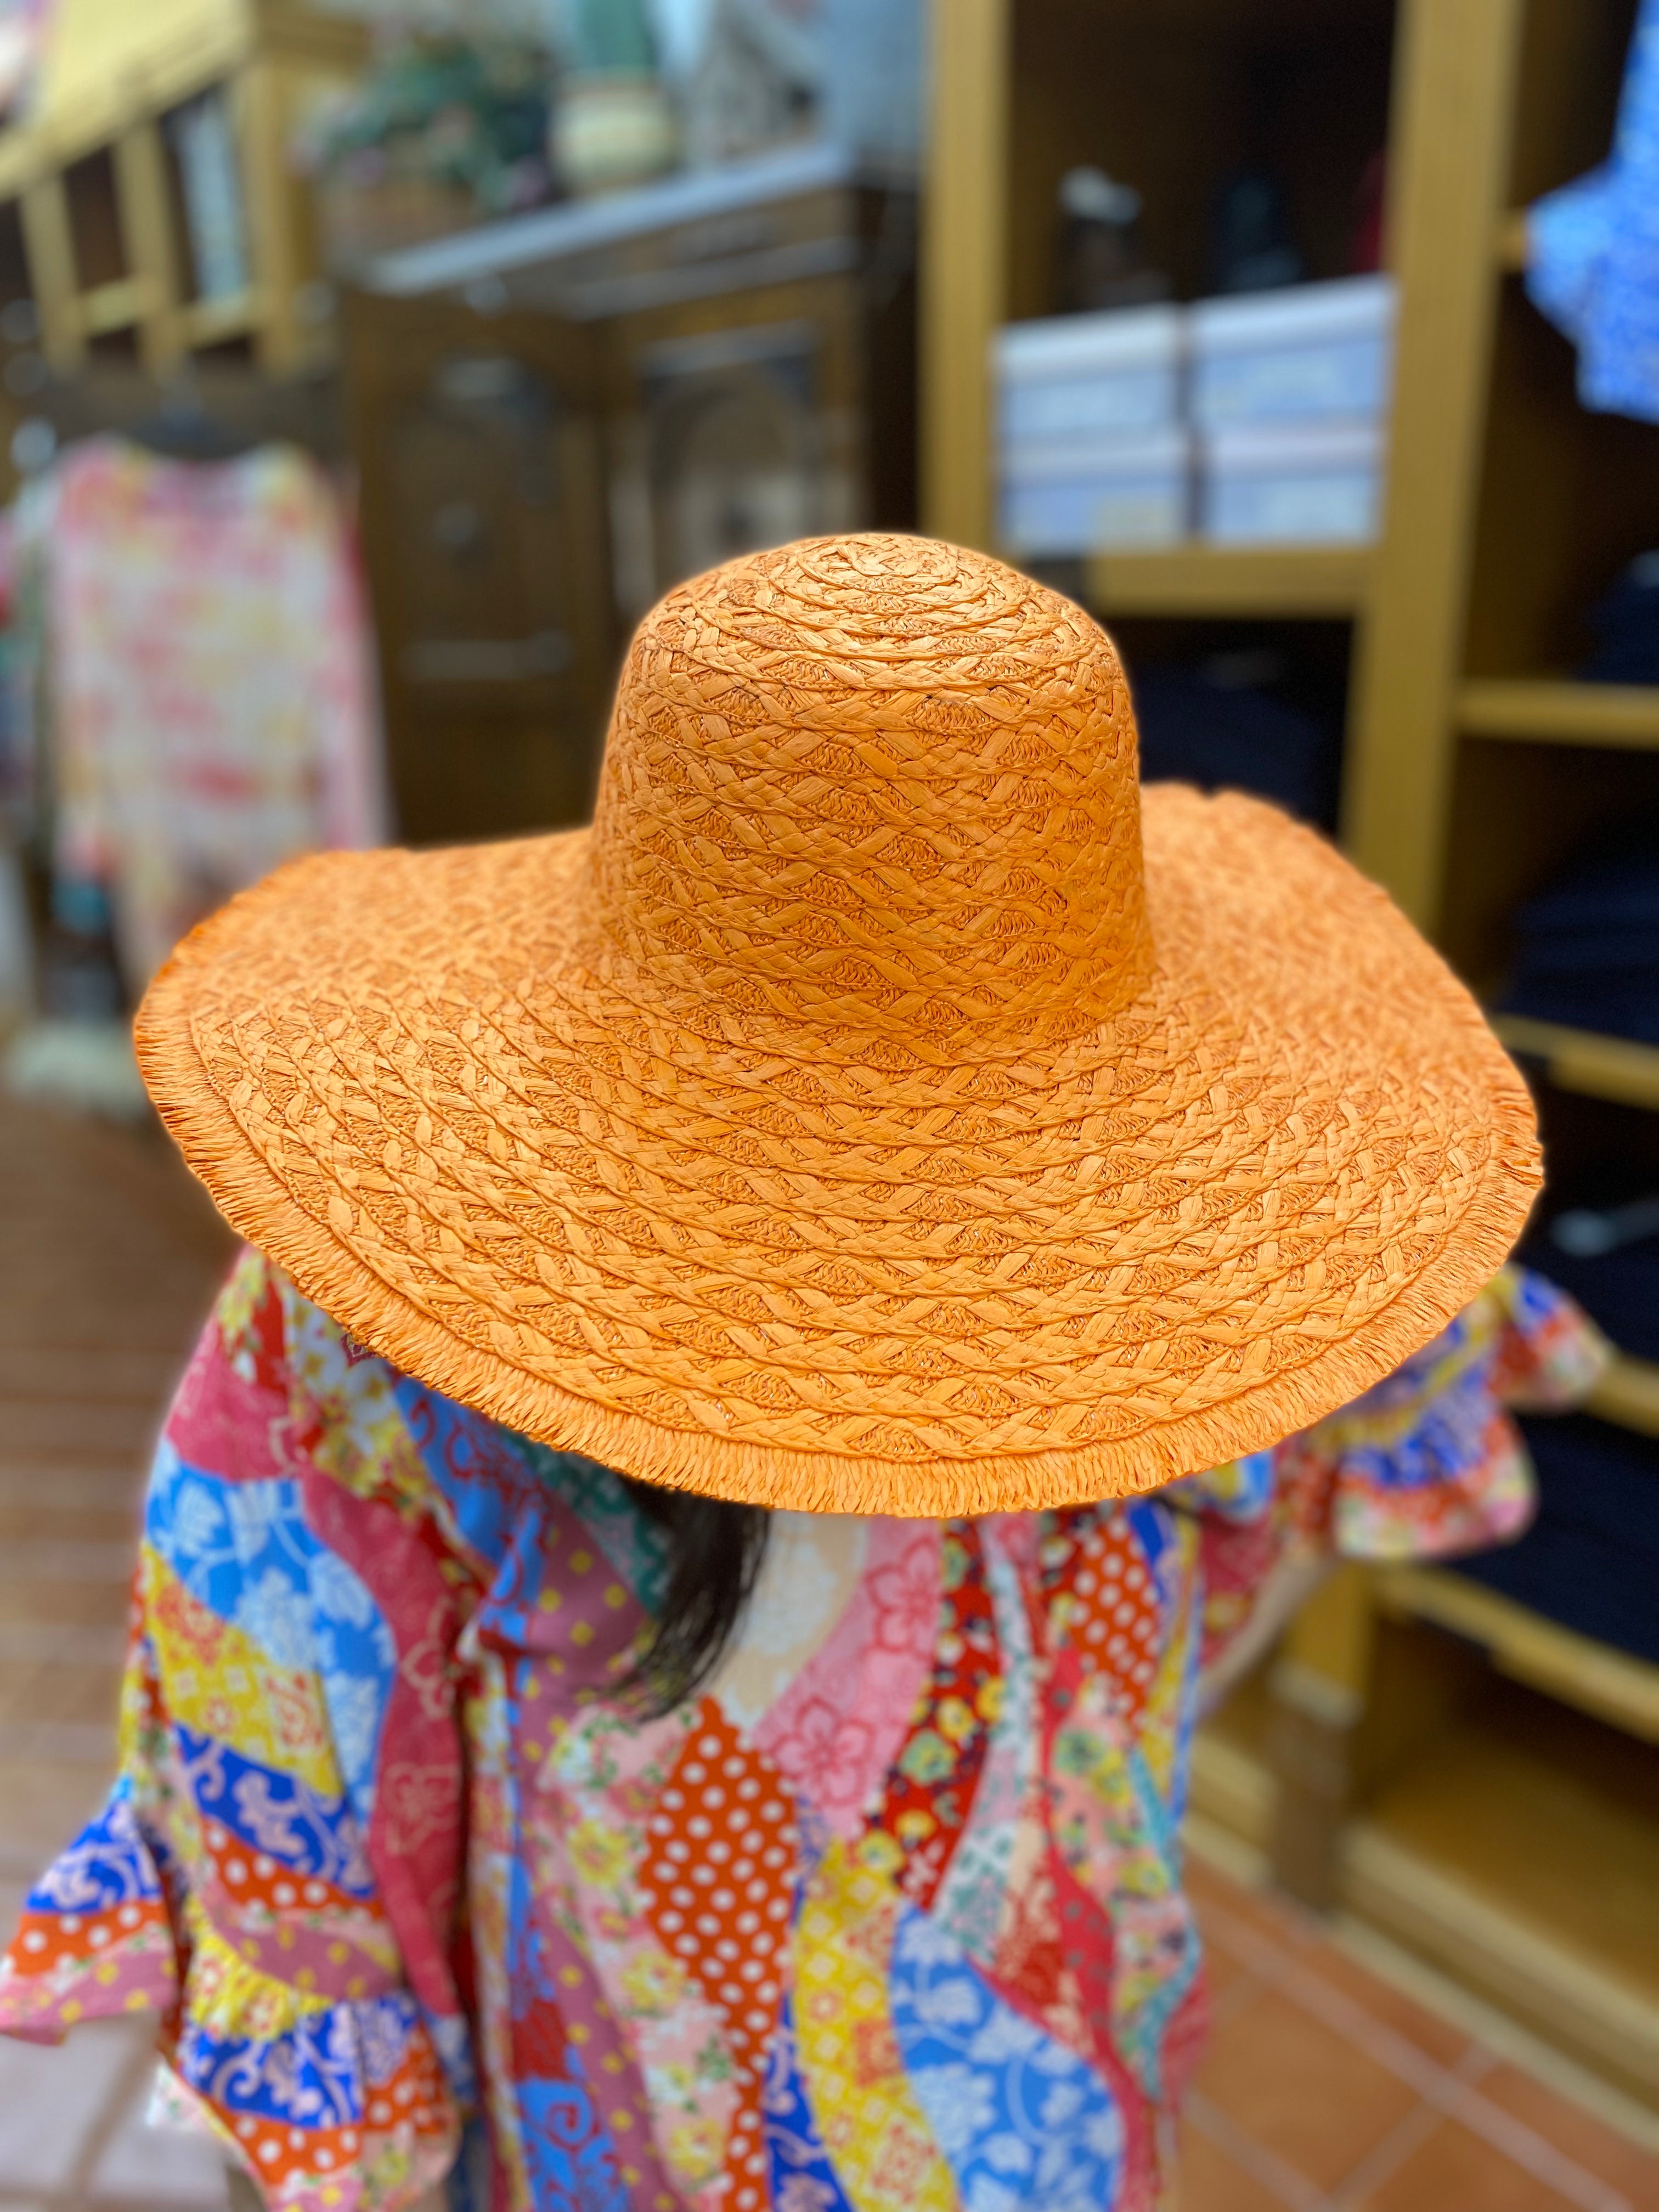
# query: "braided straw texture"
x,y
855,1118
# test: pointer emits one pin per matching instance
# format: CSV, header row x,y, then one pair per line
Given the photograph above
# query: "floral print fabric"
x,y
213,705
891,1917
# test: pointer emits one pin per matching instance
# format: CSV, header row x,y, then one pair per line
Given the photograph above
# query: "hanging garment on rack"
x,y
1593,249
1624,624
213,704
27,532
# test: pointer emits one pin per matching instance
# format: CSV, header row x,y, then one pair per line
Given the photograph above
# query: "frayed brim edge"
x,y
259,1208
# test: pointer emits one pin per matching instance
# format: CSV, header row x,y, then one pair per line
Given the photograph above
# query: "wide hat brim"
x,y
800,1281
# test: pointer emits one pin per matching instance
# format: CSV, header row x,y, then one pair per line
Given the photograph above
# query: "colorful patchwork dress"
x,y
889,1920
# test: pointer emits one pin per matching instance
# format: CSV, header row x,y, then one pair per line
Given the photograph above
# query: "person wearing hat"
x,y
674,1588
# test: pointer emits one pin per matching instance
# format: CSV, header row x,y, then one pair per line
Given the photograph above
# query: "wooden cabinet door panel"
x,y
479,440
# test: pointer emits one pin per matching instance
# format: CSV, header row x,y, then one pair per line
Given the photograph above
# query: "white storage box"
x,y
1103,494
1306,484
1089,376
1315,351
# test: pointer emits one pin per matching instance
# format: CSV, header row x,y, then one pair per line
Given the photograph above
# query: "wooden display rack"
x,y
92,226
1469,1776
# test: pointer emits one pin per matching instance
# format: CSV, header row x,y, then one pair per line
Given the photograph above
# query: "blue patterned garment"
x,y
1593,249
1021,2119
890,1919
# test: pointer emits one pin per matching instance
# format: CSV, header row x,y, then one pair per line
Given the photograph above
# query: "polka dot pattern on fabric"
x,y
718,1885
1103,1598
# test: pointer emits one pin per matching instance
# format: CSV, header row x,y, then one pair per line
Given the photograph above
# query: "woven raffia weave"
x,y
850,1120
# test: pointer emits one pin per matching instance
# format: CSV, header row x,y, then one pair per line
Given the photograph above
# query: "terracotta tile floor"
x,y
108,1259
1325,2089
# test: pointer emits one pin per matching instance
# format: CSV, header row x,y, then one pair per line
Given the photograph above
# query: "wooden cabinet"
x,y
1481,768
483,503
732,355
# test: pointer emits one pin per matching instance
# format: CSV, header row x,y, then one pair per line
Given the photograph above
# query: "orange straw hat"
x,y
885,1107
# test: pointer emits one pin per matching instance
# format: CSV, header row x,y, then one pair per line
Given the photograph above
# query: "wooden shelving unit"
x,y
1480,772
1580,1672
1512,242
1546,711
1290,582
1447,1762
1514,1847
1473,1840
1628,1395
92,181
1599,1066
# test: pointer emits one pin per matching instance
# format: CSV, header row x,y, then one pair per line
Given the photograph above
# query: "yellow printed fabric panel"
x,y
218,1683
869,2119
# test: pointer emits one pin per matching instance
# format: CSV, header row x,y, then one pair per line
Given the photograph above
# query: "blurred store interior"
x,y
365,370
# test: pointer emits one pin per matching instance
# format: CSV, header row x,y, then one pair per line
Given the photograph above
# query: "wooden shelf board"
x,y
1454,1919
1516,1849
1615,1068
1427,1874
1593,1678
1546,711
1284,581
1512,241
209,322
121,306
1234,1788
1628,1394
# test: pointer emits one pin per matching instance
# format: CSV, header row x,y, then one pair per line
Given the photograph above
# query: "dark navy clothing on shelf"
x,y
1619,1290
1588,949
1233,737
1590,1560
1624,624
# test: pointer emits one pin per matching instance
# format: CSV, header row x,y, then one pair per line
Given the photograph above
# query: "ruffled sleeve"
x,y
1427,1464
235,1883
1430,1462
95,1934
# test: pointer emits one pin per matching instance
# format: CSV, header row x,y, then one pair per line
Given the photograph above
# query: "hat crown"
x,y
880,786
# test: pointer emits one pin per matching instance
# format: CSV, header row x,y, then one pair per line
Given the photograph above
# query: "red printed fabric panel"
x,y
1104,1600
719,1887
930,1791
